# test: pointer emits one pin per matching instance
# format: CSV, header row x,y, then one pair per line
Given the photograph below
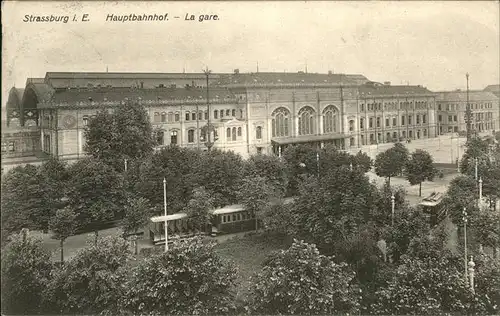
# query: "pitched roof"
x,y
277,78
462,96
15,98
383,90
493,88
120,94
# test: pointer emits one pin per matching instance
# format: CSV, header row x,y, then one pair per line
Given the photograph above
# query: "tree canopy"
x,y
189,279
420,168
301,281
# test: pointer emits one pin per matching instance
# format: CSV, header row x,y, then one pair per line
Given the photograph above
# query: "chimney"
x,y
236,71
387,83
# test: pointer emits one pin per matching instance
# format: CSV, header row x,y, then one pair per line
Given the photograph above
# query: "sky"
x,y
427,43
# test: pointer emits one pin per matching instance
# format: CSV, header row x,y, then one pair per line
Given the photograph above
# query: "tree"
x,y
362,162
278,217
299,160
256,195
403,154
300,281
198,209
487,228
487,284
26,269
92,281
461,193
189,279
126,133
137,215
63,225
389,164
430,286
95,193
420,168
268,166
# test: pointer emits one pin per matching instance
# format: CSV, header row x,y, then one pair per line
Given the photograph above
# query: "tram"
x,y
225,220
434,208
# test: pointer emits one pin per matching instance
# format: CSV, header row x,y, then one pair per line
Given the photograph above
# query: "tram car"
x,y
434,208
225,220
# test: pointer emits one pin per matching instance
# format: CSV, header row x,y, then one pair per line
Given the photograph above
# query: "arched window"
x,y
163,117
239,131
351,125
228,133
280,122
227,112
170,117
233,112
330,118
191,136
177,117
258,132
173,137
221,113
234,133
352,142
85,120
306,121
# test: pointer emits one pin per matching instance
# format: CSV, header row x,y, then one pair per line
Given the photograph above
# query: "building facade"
x,y
250,112
451,109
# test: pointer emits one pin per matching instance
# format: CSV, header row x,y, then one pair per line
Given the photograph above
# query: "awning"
x,y
308,138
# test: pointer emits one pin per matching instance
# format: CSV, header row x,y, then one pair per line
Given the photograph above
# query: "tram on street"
x,y
434,208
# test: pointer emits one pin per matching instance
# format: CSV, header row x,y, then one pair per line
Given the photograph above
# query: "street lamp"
x,y
317,162
465,240
471,274
125,164
480,189
393,202
165,209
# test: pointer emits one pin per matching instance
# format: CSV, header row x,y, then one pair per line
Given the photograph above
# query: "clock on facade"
x,y
69,121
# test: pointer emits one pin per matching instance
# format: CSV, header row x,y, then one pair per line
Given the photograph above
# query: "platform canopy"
x,y
308,138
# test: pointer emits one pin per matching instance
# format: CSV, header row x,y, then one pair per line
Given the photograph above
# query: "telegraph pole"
x,y
468,112
208,143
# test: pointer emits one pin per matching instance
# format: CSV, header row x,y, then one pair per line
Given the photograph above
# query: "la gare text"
x,y
160,17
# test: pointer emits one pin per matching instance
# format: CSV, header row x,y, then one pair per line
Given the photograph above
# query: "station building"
x,y
250,112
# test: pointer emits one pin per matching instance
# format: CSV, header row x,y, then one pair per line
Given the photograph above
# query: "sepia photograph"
x,y
250,158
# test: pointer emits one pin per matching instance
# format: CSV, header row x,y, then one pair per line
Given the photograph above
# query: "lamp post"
x,y
317,162
471,275
465,241
165,209
393,202
350,166
475,168
208,143
480,189
125,164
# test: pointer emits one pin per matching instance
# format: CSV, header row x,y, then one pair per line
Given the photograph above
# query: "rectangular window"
x,y
402,120
177,117
450,118
440,118
387,122
409,119
187,116
439,107
418,119
447,107
206,115
370,123
394,121
216,113
424,119
378,121
193,116
454,118
362,107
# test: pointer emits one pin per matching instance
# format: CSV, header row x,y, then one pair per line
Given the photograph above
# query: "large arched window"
x,y
163,117
173,137
330,117
280,122
258,132
228,133
239,131
306,121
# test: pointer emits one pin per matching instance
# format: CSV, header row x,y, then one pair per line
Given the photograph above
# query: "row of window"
x,y
391,137
193,115
241,216
306,121
421,119
233,133
473,106
388,106
8,147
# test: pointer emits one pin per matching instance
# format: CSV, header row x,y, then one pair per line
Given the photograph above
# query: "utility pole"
x,y
465,241
468,112
165,208
208,143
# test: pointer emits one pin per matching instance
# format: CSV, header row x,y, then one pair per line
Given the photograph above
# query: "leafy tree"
x,y
189,279
92,281
462,192
332,209
476,149
126,133
268,166
299,160
487,227
430,286
278,217
487,285
362,161
63,225
95,192
26,268
198,209
403,155
179,166
256,195
301,281
137,215
389,164
420,168
382,213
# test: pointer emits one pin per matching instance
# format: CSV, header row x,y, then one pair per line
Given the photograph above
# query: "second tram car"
x,y
434,208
